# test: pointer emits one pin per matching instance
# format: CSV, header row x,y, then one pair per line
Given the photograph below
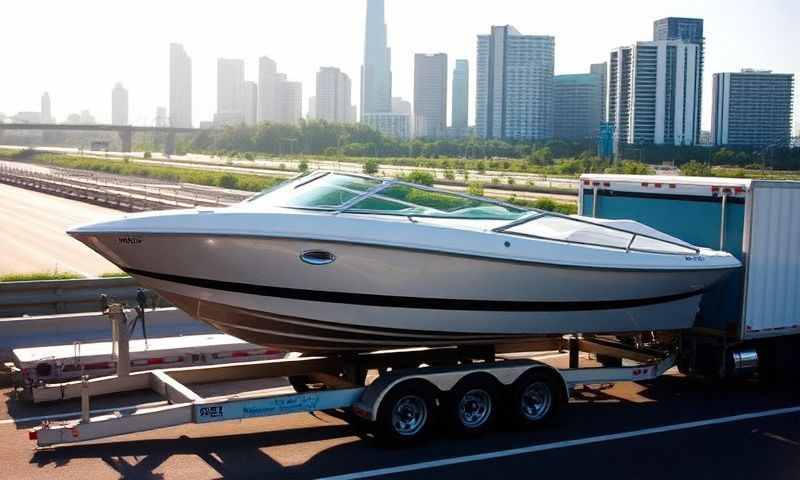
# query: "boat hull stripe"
x,y
391,301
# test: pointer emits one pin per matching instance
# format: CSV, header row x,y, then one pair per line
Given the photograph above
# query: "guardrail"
x,y
66,296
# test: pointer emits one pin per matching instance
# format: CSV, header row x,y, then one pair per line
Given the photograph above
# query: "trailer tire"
x,y
472,404
406,414
536,398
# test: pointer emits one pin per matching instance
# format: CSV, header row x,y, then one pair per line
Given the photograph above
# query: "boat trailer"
x,y
413,386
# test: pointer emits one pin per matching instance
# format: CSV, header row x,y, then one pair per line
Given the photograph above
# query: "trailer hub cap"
x,y
474,408
409,415
536,401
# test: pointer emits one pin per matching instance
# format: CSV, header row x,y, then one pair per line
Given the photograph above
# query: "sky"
x,y
77,50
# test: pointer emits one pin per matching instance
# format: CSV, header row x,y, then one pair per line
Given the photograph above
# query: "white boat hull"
x,y
374,297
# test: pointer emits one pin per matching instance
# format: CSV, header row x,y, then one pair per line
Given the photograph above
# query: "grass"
x,y
36,276
248,182
113,275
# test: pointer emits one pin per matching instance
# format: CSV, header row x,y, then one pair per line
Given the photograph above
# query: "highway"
x,y
672,428
33,238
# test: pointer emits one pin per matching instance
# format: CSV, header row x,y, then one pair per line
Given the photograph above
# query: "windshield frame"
x,y
630,248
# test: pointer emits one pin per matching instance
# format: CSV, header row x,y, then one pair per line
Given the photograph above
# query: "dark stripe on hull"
x,y
372,300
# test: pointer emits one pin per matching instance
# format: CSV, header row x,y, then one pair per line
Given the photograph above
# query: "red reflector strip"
x,y
33,434
739,190
606,184
596,184
587,182
657,185
715,189
645,184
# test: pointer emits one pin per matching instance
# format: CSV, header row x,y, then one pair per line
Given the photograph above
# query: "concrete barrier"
x,y
65,296
88,327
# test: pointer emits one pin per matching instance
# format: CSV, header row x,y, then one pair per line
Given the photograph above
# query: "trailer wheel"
x,y
536,398
472,405
405,415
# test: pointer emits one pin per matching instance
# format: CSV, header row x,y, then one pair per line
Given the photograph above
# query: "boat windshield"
x,y
365,195
635,237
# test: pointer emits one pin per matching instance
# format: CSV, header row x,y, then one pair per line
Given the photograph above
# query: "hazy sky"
x,y
77,50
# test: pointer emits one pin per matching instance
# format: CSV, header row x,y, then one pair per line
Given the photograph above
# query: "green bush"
x,y
228,181
475,188
303,166
37,276
147,155
695,169
371,166
419,177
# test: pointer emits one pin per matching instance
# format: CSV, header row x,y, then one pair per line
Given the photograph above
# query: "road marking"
x,y
66,416
557,445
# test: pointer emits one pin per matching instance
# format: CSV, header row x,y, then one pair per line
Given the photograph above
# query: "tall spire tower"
x,y
376,73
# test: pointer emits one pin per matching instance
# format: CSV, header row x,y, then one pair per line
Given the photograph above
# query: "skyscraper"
x,y
333,102
161,117
119,105
601,70
689,30
46,114
653,93
460,106
250,103
376,72
577,106
400,105
752,108
230,91
514,98
180,87
430,95
267,86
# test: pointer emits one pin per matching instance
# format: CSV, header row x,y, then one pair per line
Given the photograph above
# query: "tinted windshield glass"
x,y
401,199
327,191
332,191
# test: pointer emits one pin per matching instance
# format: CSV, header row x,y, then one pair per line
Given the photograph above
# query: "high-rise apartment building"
x,y
376,72
119,105
601,70
333,102
230,91
689,30
46,112
180,87
267,88
430,95
289,101
400,105
653,93
752,108
250,103
577,106
460,102
514,97
390,124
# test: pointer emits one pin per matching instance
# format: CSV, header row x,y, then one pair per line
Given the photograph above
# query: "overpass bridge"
x,y
125,131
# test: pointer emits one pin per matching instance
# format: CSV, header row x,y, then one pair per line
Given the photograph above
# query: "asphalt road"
x,y
672,428
33,239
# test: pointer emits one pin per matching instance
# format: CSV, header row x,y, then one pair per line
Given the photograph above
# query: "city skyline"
x,y
141,63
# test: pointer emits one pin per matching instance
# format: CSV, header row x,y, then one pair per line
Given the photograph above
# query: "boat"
x,y
336,262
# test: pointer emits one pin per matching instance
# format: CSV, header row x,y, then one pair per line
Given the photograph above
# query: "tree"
x,y
302,166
